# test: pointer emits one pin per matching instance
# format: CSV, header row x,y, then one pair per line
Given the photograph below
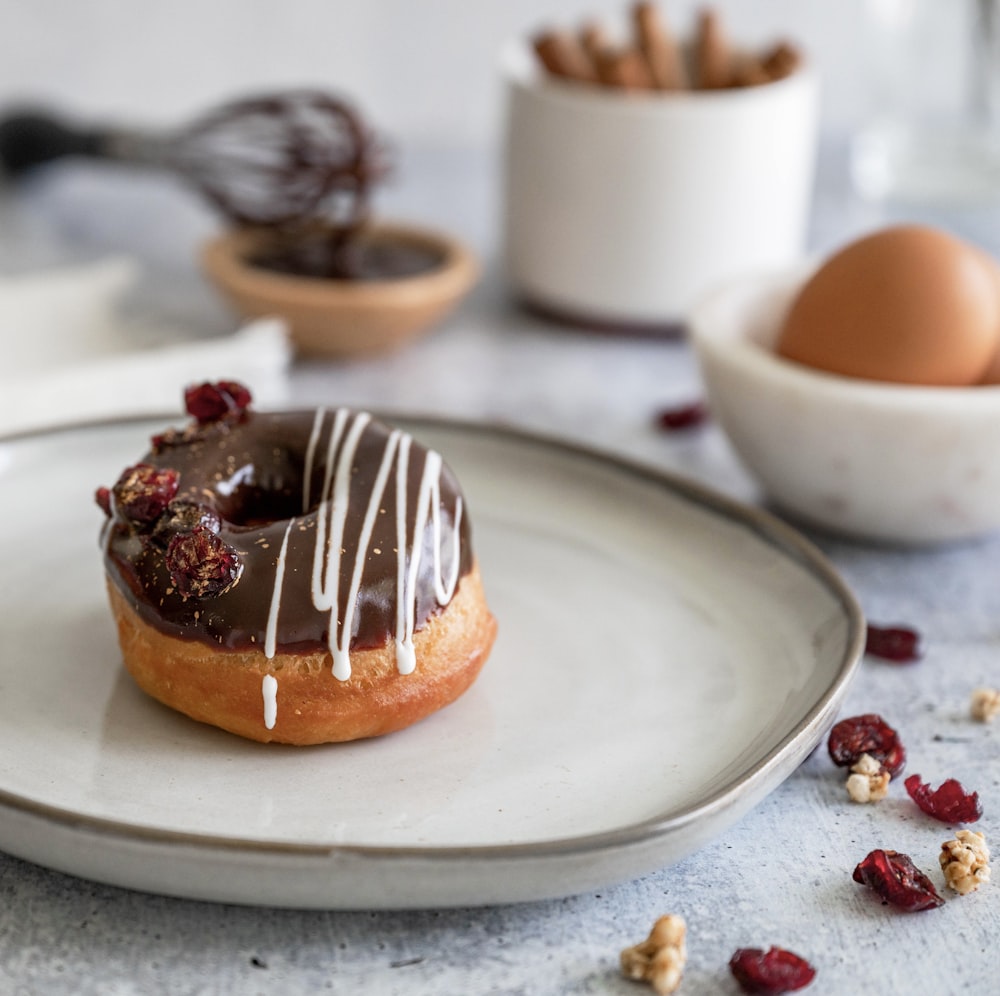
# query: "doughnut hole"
x,y
257,496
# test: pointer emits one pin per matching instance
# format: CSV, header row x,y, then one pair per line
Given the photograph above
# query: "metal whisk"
x,y
277,160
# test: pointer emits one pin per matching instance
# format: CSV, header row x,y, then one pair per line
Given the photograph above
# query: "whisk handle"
x,y
30,139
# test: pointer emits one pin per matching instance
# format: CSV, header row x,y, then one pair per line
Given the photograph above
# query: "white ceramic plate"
x,y
665,659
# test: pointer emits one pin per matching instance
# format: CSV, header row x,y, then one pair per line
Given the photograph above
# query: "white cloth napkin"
x,y
67,353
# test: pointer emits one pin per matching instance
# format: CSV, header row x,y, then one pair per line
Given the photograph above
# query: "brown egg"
x,y
992,375
907,304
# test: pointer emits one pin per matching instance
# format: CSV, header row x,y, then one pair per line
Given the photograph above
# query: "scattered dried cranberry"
x,y
893,643
210,402
682,417
143,491
949,802
184,515
103,498
772,971
202,565
898,881
868,734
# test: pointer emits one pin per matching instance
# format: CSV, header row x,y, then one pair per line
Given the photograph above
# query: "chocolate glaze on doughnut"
x,y
349,534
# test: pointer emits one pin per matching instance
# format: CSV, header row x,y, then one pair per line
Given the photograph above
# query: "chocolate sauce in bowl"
x,y
349,534
356,258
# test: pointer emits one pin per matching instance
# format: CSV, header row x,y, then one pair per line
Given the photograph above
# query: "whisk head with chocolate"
x,y
299,163
282,160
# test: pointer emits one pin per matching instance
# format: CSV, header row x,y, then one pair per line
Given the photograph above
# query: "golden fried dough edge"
x,y
223,687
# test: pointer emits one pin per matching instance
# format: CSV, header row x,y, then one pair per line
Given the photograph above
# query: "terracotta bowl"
x,y
340,318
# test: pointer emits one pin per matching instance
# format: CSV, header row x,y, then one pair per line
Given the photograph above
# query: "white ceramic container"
x,y
622,209
886,462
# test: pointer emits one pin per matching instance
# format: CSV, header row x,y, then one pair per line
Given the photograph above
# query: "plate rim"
x,y
765,525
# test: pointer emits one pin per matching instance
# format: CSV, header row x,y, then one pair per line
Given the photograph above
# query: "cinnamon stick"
x,y
749,70
562,55
782,60
712,55
623,68
594,41
659,47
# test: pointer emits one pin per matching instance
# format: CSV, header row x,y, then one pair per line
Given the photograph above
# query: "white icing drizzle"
x,y
107,530
428,504
322,547
271,634
105,537
340,652
314,435
269,691
326,597
331,517
406,659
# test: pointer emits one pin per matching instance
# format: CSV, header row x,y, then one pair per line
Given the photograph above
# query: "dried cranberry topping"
x,y
173,437
143,492
210,402
682,417
202,565
184,515
868,734
772,971
899,644
103,498
895,878
949,802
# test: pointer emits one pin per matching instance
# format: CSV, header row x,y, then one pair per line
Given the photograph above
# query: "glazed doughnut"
x,y
300,577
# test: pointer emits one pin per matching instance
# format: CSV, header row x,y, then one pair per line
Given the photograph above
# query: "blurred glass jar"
x,y
933,128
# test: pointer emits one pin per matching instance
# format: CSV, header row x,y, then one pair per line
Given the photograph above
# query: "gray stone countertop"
x,y
782,875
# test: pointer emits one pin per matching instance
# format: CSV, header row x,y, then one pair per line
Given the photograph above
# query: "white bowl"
x,y
622,209
886,462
